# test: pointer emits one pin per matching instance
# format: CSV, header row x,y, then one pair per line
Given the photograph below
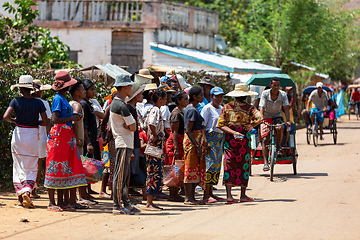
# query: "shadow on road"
x,y
274,200
285,177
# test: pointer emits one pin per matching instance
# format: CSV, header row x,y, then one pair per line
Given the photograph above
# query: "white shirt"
x,y
42,129
211,117
97,108
165,112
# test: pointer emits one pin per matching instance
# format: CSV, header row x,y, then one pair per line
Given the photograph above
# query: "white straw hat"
x,y
240,91
135,90
25,81
42,87
150,86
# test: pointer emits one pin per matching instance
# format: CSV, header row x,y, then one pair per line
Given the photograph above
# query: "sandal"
x,y
190,203
69,209
219,199
210,200
54,209
201,202
248,199
80,206
133,209
232,201
266,167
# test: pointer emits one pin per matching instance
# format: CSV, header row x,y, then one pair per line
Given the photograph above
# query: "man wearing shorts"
x,y
320,100
355,98
271,103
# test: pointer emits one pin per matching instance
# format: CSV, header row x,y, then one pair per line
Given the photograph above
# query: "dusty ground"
x,y
321,202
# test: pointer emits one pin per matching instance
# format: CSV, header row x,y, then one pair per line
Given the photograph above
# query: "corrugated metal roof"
x,y
109,69
226,63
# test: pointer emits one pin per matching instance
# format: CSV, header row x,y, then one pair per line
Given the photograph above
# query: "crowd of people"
x,y
145,127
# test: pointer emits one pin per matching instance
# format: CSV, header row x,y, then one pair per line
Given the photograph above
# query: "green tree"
x,y
321,34
23,42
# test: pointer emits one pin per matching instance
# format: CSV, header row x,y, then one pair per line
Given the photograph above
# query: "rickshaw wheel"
x,y
308,132
272,162
294,160
334,132
315,135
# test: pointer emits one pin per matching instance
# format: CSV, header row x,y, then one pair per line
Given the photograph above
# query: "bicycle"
x,y
272,153
315,128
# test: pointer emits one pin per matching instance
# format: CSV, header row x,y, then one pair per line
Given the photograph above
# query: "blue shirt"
x,y
27,111
202,104
60,104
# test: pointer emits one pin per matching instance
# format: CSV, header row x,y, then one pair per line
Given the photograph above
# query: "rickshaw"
x,y
289,155
314,131
353,107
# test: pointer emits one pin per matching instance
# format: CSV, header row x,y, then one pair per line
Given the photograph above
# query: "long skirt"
x,y
237,158
170,148
214,157
112,158
194,166
25,154
64,168
154,168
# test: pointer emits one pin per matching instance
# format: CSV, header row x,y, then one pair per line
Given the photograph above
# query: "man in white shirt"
x,y
271,103
319,98
123,126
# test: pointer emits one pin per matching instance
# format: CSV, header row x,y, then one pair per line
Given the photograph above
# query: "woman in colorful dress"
x,y
214,136
174,144
195,147
64,169
24,144
156,135
236,120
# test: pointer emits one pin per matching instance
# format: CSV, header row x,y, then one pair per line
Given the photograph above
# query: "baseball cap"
x,y
216,91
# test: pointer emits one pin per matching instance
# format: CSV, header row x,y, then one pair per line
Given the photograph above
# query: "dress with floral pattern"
x,y
155,165
237,153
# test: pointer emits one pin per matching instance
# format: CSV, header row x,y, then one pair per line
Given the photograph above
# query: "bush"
x,y
9,75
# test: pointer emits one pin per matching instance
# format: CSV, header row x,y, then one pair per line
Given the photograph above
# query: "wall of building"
x,y
93,44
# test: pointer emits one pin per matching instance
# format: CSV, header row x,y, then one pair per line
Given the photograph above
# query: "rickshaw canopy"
x,y
312,88
264,80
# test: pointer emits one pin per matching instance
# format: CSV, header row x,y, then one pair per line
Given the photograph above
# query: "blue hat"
x,y
216,91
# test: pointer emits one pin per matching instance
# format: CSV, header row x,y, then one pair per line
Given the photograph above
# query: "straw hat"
x,y
150,86
143,76
135,90
39,84
240,91
62,80
25,81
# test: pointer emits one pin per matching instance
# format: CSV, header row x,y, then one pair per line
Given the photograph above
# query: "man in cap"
x,y
123,126
320,100
206,85
271,103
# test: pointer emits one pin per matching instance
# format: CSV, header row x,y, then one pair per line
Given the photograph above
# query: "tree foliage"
x,y
23,42
321,34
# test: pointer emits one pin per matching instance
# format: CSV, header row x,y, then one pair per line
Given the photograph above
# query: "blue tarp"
x,y
339,98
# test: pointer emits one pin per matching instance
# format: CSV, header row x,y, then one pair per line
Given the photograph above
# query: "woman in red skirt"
x,y
64,170
174,144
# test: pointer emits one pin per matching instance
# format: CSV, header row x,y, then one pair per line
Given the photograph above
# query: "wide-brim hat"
x,y
122,80
135,90
143,77
241,90
25,81
39,86
63,80
150,86
206,81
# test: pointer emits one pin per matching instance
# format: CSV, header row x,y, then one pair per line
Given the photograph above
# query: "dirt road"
x,y
321,202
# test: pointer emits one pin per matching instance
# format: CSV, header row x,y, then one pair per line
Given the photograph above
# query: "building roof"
x,y
215,60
